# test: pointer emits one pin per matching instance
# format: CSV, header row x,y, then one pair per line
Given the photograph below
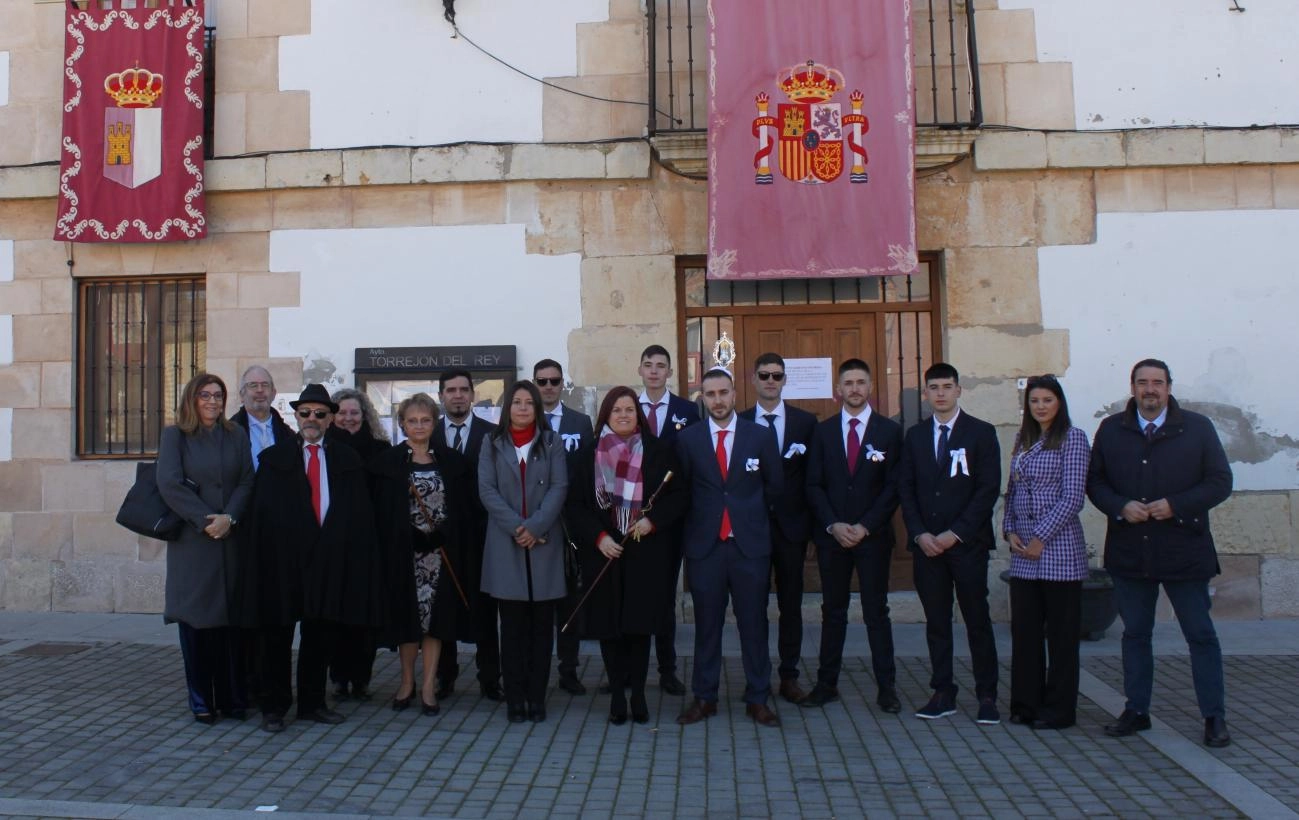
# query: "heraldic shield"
x,y
133,129
811,142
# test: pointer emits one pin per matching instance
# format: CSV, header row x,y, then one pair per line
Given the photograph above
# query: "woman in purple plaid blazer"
x,y
1048,482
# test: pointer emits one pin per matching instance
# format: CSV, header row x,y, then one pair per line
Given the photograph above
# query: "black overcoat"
x,y
631,599
306,570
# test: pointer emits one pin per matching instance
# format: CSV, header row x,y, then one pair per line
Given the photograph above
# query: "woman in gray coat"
x,y
522,481
205,474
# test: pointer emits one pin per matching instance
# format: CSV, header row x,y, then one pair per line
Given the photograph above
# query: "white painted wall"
x,y
1209,292
4,78
1173,62
390,73
430,286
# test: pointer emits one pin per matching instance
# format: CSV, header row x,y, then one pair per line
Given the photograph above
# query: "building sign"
x,y
426,359
808,379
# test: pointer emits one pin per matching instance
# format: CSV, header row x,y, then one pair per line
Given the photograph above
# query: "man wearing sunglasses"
x,y
315,551
789,519
574,429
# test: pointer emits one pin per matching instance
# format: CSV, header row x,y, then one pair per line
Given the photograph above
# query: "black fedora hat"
x,y
315,394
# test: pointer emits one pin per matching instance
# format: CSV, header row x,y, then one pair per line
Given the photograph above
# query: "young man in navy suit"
x,y
574,429
732,469
789,520
852,488
667,415
949,482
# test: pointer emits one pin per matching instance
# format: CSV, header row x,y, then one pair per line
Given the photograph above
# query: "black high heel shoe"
x,y
399,704
426,708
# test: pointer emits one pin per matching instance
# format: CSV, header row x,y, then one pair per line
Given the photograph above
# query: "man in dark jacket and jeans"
x,y
1156,471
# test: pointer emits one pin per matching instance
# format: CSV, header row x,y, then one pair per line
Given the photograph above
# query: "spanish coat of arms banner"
x,y
811,139
132,149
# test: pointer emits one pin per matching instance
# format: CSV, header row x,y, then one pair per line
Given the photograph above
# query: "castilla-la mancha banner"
x,y
811,139
132,148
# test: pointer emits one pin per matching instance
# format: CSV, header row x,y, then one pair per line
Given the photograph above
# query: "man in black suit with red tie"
x,y
852,488
949,482
667,415
793,429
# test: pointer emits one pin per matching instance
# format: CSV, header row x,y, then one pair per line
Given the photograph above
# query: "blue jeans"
x,y
1135,598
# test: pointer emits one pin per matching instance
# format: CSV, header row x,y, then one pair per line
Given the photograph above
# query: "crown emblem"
x,y
810,82
134,87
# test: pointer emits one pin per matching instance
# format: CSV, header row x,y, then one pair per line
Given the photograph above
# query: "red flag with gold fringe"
x,y
811,139
132,159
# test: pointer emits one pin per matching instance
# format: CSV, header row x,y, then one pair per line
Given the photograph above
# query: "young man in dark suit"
x,y
949,483
456,442
852,488
667,415
574,429
789,520
731,467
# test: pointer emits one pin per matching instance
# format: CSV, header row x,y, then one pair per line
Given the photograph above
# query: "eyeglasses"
x,y
766,376
257,385
556,382
306,414
208,395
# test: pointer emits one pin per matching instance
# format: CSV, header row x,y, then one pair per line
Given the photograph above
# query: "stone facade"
x,y
988,215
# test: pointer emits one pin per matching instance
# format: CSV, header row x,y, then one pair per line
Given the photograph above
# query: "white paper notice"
x,y
809,379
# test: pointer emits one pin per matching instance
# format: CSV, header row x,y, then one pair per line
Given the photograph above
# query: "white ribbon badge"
x,y
872,454
751,465
571,441
959,462
679,421
795,449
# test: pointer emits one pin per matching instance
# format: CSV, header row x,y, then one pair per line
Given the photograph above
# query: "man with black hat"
x,y
314,557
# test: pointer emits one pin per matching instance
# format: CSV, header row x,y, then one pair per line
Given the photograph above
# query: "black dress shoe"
x,y
536,714
670,683
888,701
446,688
1022,718
272,723
206,718
491,691
639,708
571,685
618,718
516,713
1041,725
820,696
323,715
1215,732
1129,723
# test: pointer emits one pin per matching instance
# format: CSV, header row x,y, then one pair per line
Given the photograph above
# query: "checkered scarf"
x,y
618,481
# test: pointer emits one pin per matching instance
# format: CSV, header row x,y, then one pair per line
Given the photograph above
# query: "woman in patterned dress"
x,y
1048,482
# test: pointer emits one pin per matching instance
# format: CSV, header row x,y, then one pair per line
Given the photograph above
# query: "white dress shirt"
x,y
464,433
647,406
729,442
845,417
951,425
260,436
778,423
1158,420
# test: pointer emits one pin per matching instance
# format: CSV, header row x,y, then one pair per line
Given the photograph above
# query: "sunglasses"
x,y
306,414
1045,380
207,396
550,382
778,377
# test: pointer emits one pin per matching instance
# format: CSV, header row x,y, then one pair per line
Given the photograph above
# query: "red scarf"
x,y
520,438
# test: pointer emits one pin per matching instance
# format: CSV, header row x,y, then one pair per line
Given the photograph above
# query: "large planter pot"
x,y
1098,609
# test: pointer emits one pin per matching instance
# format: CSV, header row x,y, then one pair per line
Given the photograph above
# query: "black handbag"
x,y
144,512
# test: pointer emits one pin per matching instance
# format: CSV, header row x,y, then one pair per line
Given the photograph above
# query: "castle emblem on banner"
x,y
809,132
133,129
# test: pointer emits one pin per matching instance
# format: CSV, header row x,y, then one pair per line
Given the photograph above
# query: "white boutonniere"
x,y
571,441
751,465
679,421
872,454
795,449
959,463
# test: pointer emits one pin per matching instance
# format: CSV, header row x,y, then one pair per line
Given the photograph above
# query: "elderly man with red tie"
x,y
315,557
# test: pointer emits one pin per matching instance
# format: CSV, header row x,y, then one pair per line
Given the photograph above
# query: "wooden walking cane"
x,y
446,559
609,561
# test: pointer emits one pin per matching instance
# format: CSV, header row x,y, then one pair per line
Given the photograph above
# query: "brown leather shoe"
x,y
697,711
790,691
762,714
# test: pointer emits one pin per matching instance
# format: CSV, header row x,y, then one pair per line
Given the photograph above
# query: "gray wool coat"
x,y
202,574
506,564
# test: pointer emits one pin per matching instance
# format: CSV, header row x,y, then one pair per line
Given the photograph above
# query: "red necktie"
x,y
854,444
653,416
313,478
725,531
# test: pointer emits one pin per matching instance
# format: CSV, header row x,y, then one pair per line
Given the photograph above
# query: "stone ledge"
x,y
1137,148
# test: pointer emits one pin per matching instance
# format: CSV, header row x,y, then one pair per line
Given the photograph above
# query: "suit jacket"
x,y
864,493
460,472
747,494
575,433
684,411
790,511
933,500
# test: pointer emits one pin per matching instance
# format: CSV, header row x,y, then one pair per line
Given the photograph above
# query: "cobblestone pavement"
x,y
99,728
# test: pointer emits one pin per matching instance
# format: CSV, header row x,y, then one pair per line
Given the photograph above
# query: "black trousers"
x,y
214,674
787,559
487,655
1045,615
526,643
318,637
251,652
351,661
567,643
872,564
665,640
963,568
626,661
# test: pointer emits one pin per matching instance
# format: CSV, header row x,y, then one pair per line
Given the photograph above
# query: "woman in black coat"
x,y
609,493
